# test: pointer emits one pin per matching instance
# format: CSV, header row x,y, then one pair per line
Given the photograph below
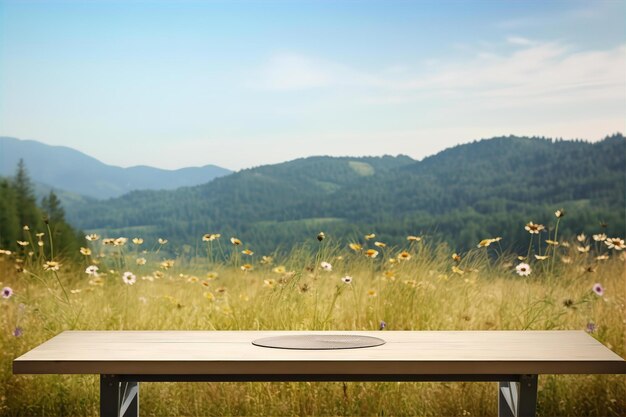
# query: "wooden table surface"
x,y
404,353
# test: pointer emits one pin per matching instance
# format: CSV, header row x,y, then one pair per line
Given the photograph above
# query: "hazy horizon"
x,y
179,84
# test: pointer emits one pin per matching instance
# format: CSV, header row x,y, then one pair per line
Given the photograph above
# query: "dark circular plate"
x,y
318,342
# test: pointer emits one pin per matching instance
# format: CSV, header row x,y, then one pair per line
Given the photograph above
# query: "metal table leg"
x,y
118,398
518,399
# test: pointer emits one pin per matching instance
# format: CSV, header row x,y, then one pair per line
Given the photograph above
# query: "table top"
x,y
404,353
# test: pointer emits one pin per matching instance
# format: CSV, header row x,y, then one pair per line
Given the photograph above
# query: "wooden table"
x,y
514,359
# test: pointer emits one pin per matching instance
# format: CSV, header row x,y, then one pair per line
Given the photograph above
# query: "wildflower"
x,y
602,257
541,258
615,243
457,270
371,253
140,261
212,275
321,236
534,228
552,242
206,237
581,237
271,283
92,270
591,327
598,289
235,241
92,237
40,243
209,296
600,237
7,292
210,237
167,264
22,243
137,241
404,256
108,241
129,278
413,238
192,279
26,228
267,260
389,275
484,243
18,331
410,282
206,284
220,290
566,260
39,235
559,213
326,266
370,236
85,251
382,325
120,241
280,269
523,269
565,244
456,257
5,252
162,241
583,249
51,266
371,293
347,279
247,252
355,247
246,267
380,244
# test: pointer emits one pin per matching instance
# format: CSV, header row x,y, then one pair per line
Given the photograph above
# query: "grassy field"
x,y
421,286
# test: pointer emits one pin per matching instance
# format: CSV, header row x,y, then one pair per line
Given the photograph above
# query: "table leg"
x,y
518,399
118,398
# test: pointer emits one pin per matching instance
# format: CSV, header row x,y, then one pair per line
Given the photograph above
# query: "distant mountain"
x,y
72,171
462,195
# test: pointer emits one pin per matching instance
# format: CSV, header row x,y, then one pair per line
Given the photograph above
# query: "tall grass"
x,y
428,291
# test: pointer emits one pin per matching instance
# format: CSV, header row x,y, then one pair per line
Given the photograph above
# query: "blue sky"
x,y
240,84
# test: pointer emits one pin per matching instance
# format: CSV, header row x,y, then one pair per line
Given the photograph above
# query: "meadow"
x,y
324,284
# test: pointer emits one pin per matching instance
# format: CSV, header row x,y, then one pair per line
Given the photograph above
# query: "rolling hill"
x,y
461,195
77,174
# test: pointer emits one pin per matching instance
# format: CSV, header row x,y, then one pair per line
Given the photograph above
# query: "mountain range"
x,y
74,175
461,195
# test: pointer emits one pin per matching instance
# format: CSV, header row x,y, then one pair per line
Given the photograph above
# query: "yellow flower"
x,y
137,241
541,258
267,260
212,275
235,241
404,256
85,251
370,236
209,296
413,238
140,261
209,237
371,253
355,247
280,269
534,228
167,264
162,241
246,267
22,243
91,237
120,241
389,275
271,283
247,252
371,293
192,279
51,266
486,242
380,244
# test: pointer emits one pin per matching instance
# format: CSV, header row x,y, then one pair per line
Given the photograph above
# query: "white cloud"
x,y
519,40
